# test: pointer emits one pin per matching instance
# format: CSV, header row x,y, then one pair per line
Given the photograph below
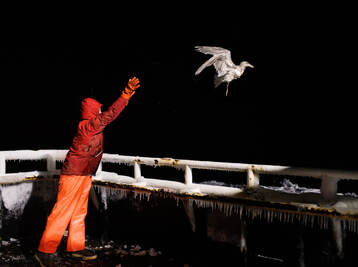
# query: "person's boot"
x,y
85,254
45,259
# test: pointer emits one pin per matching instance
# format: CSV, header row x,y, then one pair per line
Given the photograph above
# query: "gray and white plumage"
x,y
226,70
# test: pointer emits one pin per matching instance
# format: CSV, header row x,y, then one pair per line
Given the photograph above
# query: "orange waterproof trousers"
x,y
70,210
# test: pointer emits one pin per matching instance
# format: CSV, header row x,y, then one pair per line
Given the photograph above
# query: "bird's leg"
x,y
227,89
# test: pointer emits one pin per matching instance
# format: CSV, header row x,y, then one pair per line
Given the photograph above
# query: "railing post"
x,y
329,188
253,179
137,173
2,165
99,169
51,163
188,175
188,181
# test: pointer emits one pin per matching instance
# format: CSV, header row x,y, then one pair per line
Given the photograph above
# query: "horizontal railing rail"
x,y
329,177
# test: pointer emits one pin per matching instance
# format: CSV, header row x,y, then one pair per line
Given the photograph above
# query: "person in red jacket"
x,y
81,163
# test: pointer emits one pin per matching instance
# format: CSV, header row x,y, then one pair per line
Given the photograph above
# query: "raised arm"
x,y
98,123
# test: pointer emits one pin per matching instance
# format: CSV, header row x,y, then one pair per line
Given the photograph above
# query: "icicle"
x,y
323,222
304,219
270,215
177,199
142,195
104,197
112,194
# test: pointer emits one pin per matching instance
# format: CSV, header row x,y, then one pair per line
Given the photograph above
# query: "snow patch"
x,y
288,187
218,183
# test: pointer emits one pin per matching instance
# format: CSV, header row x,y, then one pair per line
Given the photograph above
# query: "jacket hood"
x,y
90,108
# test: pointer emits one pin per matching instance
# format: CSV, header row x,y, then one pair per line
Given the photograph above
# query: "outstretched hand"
x,y
133,83
129,90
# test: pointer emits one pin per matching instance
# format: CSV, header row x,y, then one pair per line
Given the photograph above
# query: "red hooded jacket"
x,y
86,150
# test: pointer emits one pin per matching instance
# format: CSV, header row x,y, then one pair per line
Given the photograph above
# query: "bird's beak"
x,y
251,66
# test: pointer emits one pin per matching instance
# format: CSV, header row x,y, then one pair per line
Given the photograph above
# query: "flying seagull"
x,y
226,70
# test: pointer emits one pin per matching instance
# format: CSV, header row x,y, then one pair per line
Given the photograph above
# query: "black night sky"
x,y
296,107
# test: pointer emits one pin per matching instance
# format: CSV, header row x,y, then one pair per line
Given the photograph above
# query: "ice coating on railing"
x,y
33,154
59,155
15,198
187,186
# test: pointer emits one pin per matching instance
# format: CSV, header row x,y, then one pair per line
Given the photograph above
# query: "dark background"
x,y
296,107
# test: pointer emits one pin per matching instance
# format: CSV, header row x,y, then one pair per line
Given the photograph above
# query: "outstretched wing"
x,y
212,50
207,63
221,59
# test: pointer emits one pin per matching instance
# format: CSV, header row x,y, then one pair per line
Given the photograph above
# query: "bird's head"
x,y
245,64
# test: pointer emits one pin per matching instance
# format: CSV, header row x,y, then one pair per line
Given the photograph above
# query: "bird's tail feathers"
x,y
217,80
207,63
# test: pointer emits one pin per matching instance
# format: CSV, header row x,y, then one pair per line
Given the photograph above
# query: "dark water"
x,y
130,229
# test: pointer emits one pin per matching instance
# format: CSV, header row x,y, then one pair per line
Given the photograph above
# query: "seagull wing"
x,y
211,50
207,63
221,59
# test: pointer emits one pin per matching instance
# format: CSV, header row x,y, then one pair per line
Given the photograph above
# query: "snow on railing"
x,y
328,185
51,156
